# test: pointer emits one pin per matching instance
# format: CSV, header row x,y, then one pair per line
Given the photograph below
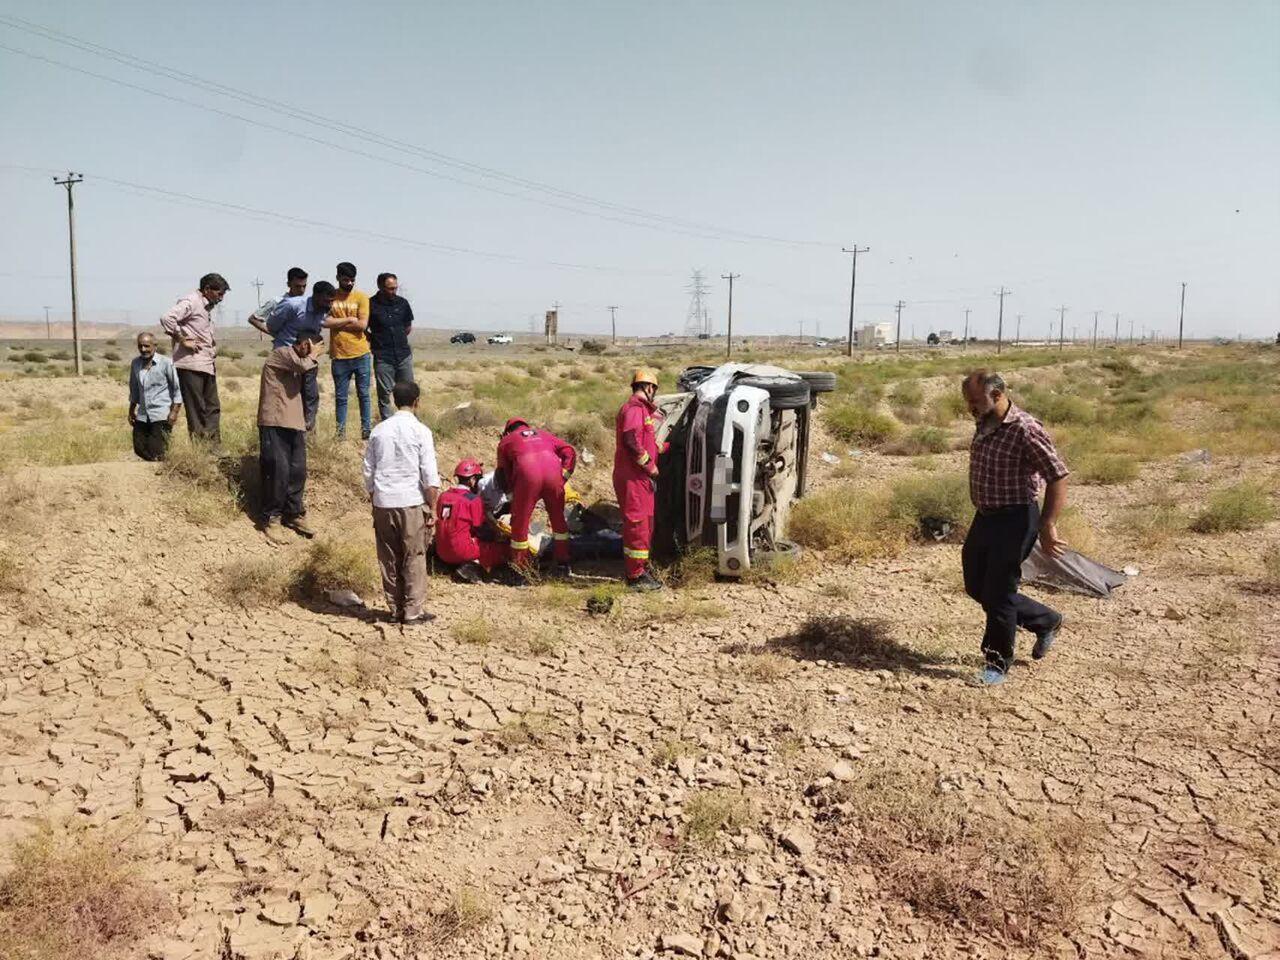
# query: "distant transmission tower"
x,y
697,320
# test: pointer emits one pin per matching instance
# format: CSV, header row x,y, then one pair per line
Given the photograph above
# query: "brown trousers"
x,y
402,555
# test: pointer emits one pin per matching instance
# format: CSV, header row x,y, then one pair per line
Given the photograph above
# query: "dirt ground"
x,y
308,783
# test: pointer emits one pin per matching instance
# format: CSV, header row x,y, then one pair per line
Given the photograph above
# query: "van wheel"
x,y
819,381
784,394
783,550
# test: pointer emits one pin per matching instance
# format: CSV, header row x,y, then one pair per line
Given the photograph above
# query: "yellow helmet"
x,y
644,375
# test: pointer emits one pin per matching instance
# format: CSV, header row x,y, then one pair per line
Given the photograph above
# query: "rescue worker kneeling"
x,y
533,465
635,476
463,539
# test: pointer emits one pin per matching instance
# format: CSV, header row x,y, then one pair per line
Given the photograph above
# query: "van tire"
x,y
819,381
783,394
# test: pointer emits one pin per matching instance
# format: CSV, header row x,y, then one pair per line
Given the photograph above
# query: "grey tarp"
x,y
1072,572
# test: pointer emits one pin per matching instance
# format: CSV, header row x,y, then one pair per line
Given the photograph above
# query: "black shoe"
x,y
562,571
469,573
1044,641
364,434
509,576
423,617
644,583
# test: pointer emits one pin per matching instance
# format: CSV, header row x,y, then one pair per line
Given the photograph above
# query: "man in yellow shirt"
x,y
349,349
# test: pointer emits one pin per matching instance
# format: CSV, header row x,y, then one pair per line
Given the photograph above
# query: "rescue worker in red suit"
x,y
635,476
533,465
462,539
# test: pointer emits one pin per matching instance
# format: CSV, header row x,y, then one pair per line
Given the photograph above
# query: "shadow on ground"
x,y
864,644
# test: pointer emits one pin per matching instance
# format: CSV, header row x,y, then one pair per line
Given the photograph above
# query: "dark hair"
x,y
384,277
987,380
296,273
405,394
347,270
323,288
214,281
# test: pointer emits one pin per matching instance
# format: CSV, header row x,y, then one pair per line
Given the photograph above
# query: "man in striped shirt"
x,y
1010,458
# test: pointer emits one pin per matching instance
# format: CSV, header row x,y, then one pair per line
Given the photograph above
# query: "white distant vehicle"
x,y
821,343
500,338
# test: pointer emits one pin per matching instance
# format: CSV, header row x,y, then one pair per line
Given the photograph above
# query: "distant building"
x,y
872,335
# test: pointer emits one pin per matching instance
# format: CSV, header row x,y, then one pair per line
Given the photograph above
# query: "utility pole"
x,y
555,335
1095,329
69,183
1000,322
1018,331
48,330
897,346
802,331
1131,331
1181,311
853,286
613,322
258,284
967,311
1062,319
728,340
1117,340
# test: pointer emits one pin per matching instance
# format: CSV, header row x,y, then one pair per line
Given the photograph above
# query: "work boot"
x,y
644,583
562,571
510,575
423,617
469,573
273,530
1044,641
990,676
300,526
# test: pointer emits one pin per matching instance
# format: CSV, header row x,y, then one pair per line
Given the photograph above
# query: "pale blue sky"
x,y
1088,153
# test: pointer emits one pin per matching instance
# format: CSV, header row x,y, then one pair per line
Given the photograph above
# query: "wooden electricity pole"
x,y
1062,321
728,340
897,346
1000,322
69,183
853,286
613,322
1182,307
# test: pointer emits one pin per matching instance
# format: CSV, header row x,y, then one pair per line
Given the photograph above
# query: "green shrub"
x,y
593,347
61,355
947,407
33,356
854,423
934,496
111,355
1106,468
920,440
908,394
1243,506
1052,407
466,416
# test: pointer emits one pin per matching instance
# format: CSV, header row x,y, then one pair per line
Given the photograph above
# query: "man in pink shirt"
x,y
190,327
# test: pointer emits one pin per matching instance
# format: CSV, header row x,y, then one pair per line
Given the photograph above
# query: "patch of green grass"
x,y
855,423
1242,506
254,581
847,521
919,441
1054,407
947,407
935,496
476,631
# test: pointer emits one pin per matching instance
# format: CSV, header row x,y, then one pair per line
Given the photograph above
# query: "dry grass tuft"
x,y
73,893
337,564
1017,879
467,911
474,630
852,422
672,750
849,522
763,667
708,812
13,578
256,581
1104,469
530,728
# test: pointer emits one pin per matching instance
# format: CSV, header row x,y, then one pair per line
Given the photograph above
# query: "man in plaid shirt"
x,y
1010,457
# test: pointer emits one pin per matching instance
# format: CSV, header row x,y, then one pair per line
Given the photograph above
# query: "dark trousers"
x,y
992,558
200,400
387,372
310,397
151,440
282,461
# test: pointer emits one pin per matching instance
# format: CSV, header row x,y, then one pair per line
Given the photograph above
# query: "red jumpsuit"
x,y
460,519
635,470
535,464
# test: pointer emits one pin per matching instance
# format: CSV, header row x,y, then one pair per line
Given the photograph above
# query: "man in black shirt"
x,y
390,323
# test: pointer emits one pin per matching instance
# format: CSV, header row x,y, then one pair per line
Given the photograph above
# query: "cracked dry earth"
x,y
306,783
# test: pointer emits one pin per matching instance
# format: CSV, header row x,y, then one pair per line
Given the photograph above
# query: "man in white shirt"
x,y
401,476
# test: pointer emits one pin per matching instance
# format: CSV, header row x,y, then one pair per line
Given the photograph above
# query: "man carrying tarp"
x,y
1010,457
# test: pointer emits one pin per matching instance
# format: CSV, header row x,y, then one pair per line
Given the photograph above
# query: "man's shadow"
x,y
863,644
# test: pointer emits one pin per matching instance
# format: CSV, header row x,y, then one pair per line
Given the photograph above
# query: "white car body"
x,y
737,463
500,338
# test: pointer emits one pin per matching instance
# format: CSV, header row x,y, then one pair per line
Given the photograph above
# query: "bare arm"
x,y
1055,497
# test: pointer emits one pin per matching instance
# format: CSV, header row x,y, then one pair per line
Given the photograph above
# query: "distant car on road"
x,y
821,343
463,337
500,338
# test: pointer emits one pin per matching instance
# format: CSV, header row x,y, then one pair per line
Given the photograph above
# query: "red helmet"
x,y
513,423
470,467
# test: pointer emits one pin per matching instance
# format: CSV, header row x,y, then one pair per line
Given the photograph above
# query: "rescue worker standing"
x,y
635,476
533,465
462,538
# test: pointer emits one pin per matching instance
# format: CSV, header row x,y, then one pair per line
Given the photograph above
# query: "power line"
x,y
609,210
